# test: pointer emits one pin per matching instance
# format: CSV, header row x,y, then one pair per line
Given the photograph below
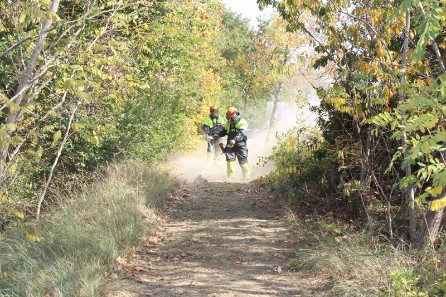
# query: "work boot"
x,y
245,170
230,166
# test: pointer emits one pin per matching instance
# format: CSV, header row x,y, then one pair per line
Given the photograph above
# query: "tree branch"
x,y
59,152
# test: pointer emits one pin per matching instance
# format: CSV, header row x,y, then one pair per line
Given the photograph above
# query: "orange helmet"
x,y
213,107
231,111
233,115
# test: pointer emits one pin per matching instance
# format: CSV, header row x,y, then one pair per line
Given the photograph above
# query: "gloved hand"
x,y
206,130
232,142
216,136
222,147
209,138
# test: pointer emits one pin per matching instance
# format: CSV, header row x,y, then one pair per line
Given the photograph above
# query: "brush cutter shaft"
x,y
210,165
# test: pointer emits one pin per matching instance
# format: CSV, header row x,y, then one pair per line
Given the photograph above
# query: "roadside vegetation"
x,y
85,84
370,180
75,248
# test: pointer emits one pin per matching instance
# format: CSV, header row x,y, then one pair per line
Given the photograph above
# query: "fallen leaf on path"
x,y
122,261
278,269
143,280
133,270
153,251
153,240
130,251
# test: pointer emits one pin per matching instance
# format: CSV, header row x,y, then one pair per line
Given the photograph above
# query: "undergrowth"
x,y
342,229
74,247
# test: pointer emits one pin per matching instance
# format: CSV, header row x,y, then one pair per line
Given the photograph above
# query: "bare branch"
x,y
59,152
435,46
12,47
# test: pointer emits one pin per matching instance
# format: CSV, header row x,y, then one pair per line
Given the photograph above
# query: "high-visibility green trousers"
x,y
245,170
230,166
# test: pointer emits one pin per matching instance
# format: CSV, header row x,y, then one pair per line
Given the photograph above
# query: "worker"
x,y
213,125
236,128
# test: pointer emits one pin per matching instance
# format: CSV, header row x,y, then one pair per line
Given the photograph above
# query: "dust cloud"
x,y
194,164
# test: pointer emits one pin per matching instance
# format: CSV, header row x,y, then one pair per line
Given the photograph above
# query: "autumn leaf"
x,y
438,204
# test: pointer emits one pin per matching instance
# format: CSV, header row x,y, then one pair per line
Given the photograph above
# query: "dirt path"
x,y
221,239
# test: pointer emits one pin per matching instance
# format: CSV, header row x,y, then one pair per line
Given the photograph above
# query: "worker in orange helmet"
x,y
236,128
213,125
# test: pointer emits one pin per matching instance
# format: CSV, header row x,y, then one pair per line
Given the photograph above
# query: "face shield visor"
x,y
214,113
234,119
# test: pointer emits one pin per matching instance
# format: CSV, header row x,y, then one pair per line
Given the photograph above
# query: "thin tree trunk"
x,y
434,220
435,47
24,81
24,84
410,191
365,168
430,229
273,119
59,152
432,223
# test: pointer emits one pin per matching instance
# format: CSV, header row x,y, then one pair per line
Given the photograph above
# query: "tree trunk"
x,y
56,160
434,220
273,119
410,191
433,223
435,46
430,229
365,162
410,198
13,117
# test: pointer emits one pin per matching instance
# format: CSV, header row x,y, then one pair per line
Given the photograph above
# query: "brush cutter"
x,y
200,177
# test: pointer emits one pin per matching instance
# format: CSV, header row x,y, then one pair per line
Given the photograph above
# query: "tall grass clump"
x,y
79,241
356,263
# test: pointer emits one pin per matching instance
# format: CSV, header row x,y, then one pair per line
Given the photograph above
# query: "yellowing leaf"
x,y
32,237
22,18
436,191
380,52
389,93
57,136
338,100
438,204
15,212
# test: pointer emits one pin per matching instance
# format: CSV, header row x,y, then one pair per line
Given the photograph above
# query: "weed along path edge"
x,y
220,239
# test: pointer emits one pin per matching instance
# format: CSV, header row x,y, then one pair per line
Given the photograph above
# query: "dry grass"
x,y
357,264
80,240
